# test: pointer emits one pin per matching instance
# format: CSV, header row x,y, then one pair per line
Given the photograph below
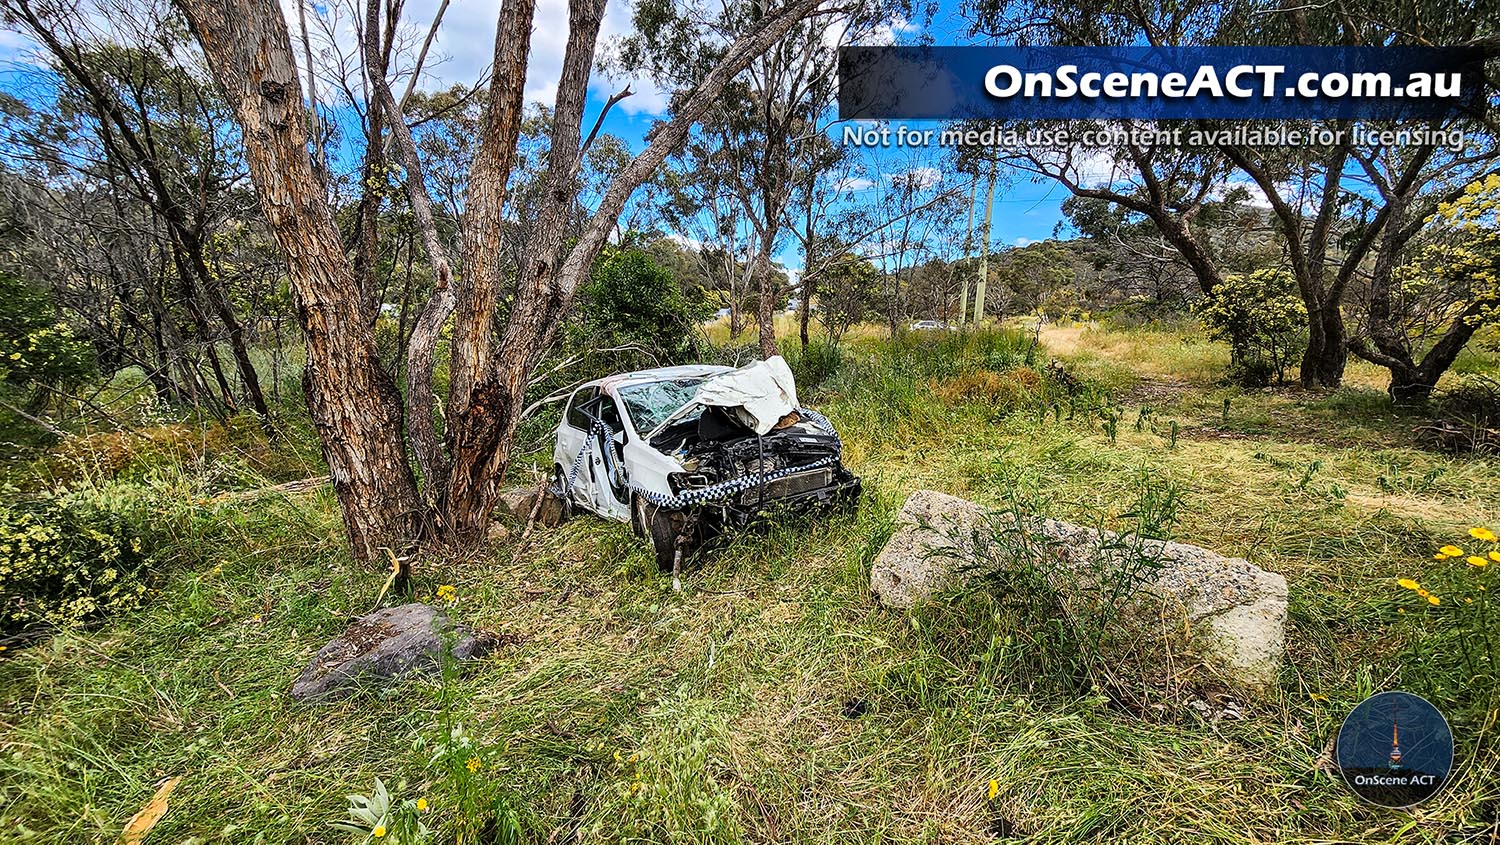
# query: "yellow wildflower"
x,y
1476,560
379,831
994,788
448,593
1495,556
474,765
1451,551
1423,593
1434,600
1482,534
1408,584
421,804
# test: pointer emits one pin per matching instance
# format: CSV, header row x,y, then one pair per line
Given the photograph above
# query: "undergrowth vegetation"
x,y
773,700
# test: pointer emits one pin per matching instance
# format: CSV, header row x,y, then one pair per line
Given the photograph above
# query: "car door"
x,y
572,437
609,491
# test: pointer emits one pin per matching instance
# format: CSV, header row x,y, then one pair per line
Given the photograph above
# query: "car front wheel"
x,y
672,532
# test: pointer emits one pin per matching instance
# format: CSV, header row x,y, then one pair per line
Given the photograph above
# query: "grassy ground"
x,y
617,710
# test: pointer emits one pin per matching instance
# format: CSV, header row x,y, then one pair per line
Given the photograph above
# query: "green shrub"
x,y
814,365
633,301
36,347
68,559
1261,317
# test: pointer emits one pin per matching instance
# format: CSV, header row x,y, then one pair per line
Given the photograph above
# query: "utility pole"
x,y
984,248
963,299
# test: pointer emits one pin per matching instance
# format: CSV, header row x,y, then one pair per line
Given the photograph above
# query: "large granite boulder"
x,y
1233,613
382,646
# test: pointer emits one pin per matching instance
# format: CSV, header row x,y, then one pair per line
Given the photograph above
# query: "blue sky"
x,y
1024,211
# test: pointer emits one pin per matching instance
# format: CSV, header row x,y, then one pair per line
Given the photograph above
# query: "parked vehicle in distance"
x,y
930,325
683,453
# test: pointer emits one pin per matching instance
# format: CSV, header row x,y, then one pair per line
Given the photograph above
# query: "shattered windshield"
x,y
650,404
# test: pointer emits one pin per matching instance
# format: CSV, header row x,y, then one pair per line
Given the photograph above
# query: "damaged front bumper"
x,y
812,491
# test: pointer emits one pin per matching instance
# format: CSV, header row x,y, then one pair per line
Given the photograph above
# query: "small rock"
x,y
515,501
382,646
518,502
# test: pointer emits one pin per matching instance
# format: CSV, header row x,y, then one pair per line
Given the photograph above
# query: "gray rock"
x,y
1233,612
382,646
517,502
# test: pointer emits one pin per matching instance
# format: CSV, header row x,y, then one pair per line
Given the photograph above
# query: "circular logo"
x,y
1395,750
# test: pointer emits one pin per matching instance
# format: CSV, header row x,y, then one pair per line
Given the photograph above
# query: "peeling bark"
x,y
355,406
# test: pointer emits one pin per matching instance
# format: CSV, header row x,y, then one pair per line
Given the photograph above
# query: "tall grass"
x,y
773,700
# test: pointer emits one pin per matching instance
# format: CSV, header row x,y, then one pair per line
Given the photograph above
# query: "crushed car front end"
x,y
733,476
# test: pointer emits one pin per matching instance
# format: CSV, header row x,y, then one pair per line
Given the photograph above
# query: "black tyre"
x,y
671,532
556,491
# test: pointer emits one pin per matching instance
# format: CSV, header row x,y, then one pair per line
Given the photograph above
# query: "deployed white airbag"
x,y
759,395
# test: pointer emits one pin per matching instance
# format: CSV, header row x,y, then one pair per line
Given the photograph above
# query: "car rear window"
x,y
650,404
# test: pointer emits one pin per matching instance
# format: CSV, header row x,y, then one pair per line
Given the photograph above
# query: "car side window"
x,y
575,416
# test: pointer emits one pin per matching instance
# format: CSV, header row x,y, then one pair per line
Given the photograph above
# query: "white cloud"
x,y
919,177
851,184
464,47
1023,242
882,34
685,241
1257,196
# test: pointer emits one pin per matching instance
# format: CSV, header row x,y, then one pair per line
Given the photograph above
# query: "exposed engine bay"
x,y
715,447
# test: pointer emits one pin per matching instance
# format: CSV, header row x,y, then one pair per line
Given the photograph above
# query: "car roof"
x,y
658,374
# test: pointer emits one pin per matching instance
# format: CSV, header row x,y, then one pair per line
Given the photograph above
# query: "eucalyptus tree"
x,y
355,406
1346,212
770,126
134,114
918,210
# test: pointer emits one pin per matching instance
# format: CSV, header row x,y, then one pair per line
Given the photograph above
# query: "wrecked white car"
x,y
682,453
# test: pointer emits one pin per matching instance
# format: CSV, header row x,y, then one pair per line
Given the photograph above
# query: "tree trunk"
x,y
963,298
765,313
354,405
1327,347
804,313
218,300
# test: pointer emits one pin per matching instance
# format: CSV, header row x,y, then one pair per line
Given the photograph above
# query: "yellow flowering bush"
x,y
1460,632
1465,253
35,345
66,559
